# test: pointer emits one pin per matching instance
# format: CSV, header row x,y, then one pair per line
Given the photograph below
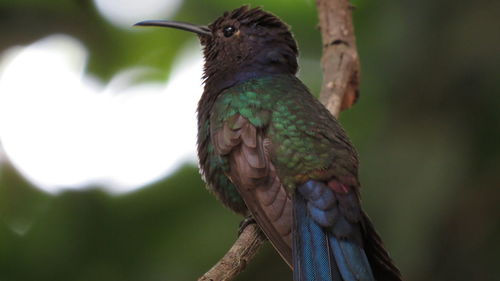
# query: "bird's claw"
x,y
244,223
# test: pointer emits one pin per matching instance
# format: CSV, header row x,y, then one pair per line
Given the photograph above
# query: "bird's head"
x,y
243,42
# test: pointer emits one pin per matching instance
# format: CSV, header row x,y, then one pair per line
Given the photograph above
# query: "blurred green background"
x,y
427,128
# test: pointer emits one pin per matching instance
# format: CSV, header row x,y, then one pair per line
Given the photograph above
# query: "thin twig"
x,y
339,91
236,259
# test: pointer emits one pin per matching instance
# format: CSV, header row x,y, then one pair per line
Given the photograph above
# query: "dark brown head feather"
x,y
248,16
262,44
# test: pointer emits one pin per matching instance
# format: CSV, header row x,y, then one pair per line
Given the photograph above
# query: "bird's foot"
x,y
248,220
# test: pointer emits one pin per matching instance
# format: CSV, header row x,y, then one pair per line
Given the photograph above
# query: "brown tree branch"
x,y
236,259
340,61
339,91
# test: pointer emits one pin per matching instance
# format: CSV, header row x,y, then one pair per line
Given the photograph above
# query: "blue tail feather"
x,y
311,251
352,260
319,255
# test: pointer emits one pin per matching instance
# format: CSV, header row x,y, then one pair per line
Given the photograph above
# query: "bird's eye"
x,y
229,31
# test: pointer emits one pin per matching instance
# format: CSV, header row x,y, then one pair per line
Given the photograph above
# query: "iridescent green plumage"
x,y
304,135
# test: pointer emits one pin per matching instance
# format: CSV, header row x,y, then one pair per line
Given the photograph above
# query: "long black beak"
x,y
198,29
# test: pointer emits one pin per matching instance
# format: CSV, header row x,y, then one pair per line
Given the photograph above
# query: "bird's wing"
x,y
251,170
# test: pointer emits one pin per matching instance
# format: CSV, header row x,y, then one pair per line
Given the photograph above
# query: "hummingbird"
x,y
269,149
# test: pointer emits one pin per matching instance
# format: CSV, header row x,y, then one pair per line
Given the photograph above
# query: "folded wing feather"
x,y
256,180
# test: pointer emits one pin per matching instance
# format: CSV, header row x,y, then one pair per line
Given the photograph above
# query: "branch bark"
x,y
339,91
236,259
340,61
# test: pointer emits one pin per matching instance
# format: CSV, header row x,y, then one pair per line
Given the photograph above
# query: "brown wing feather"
x,y
257,181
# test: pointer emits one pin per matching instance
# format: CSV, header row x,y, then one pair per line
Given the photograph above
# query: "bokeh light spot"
x,y
124,13
62,129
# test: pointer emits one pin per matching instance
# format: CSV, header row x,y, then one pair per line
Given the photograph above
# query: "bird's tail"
x,y
380,261
317,254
